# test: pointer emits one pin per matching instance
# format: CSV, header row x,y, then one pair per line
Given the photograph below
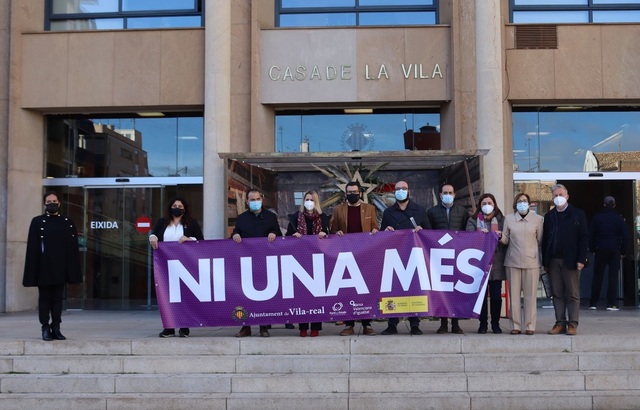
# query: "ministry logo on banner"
x,y
293,280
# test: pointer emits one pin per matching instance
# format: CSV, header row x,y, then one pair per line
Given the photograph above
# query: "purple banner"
x,y
293,280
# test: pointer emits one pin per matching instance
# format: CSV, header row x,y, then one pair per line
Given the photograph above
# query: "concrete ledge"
x,y
556,400
295,401
173,383
68,364
179,364
11,348
541,343
610,361
520,362
292,364
291,383
409,363
614,381
407,383
534,381
186,347
78,347
296,346
406,344
64,383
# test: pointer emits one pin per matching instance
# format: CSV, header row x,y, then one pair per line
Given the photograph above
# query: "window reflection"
x,y
550,17
585,140
318,20
361,132
575,11
148,5
397,19
84,6
131,147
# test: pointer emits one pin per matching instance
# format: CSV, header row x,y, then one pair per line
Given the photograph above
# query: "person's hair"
x,y
496,210
445,184
254,190
515,199
186,217
46,194
560,186
353,183
316,201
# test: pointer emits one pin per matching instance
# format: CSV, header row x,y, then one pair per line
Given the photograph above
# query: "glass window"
x,y
122,14
575,11
397,19
326,13
355,132
575,141
124,146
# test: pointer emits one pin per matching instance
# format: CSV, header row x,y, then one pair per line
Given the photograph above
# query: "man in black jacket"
x,y
447,215
404,214
565,239
608,238
255,222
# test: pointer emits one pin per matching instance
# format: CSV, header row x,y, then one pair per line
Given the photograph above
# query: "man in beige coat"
x,y
522,232
354,216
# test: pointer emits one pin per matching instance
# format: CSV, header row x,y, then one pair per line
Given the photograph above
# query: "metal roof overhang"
x,y
396,160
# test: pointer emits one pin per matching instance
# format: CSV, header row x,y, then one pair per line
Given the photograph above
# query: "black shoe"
x,y
390,330
482,329
496,329
289,326
183,332
442,329
415,330
457,330
167,333
55,333
46,334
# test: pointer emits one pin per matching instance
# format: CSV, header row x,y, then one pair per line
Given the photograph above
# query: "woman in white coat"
x,y
522,232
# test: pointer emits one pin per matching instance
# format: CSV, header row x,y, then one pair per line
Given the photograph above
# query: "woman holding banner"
x,y
309,220
489,218
523,233
177,225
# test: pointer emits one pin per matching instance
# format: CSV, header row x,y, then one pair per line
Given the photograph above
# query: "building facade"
x,y
118,112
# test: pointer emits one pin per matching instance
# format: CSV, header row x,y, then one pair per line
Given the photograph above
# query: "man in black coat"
x,y
404,214
447,215
609,240
255,222
565,239
51,262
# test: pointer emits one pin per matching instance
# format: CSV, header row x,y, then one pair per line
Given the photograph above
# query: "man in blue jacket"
x,y
609,240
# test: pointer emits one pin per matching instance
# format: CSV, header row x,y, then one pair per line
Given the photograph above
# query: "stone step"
x,y
587,400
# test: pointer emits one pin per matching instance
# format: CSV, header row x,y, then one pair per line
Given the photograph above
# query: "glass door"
x,y
113,226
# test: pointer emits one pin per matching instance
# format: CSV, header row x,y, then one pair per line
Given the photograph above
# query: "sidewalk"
x,y
137,324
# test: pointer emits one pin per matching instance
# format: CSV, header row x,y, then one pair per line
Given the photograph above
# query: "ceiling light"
x,y
151,114
358,110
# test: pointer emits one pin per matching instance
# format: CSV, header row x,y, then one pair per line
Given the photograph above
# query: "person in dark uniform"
x,y
609,239
176,226
51,262
309,220
404,214
255,222
447,215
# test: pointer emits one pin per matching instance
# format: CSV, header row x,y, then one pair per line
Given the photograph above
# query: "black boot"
x,y
483,318
46,333
55,333
496,308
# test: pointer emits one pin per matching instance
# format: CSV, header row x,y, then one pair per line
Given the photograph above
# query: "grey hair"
x,y
560,186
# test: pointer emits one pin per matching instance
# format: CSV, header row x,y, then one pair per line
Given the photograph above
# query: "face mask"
x,y
522,207
309,205
177,212
487,209
52,208
255,206
447,199
353,198
401,195
559,200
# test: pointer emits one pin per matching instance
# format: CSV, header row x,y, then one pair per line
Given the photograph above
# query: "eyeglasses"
x,y
402,189
522,201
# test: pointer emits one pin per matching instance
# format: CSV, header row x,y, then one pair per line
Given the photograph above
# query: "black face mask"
x,y
52,208
177,212
353,198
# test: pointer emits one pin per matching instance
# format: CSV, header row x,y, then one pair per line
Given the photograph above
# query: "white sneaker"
x,y
592,308
613,308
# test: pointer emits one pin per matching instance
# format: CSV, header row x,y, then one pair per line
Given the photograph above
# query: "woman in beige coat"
x,y
522,232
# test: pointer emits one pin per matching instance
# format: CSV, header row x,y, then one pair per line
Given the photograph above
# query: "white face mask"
x,y
309,205
522,207
559,200
447,199
487,209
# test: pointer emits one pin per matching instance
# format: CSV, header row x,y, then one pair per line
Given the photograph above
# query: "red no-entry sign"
x,y
143,224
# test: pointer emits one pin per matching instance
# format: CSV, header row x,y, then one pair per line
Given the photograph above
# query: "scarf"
x,y
482,224
302,223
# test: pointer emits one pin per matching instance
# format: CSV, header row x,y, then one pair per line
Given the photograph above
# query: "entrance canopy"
x,y
395,160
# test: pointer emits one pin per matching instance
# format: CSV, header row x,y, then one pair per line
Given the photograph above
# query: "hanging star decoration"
x,y
365,186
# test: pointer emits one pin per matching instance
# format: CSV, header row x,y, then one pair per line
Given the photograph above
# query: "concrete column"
x,y
490,116
5,33
217,114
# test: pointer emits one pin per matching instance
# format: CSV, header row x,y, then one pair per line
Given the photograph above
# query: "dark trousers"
x,y
314,326
605,258
494,290
352,323
414,321
50,303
